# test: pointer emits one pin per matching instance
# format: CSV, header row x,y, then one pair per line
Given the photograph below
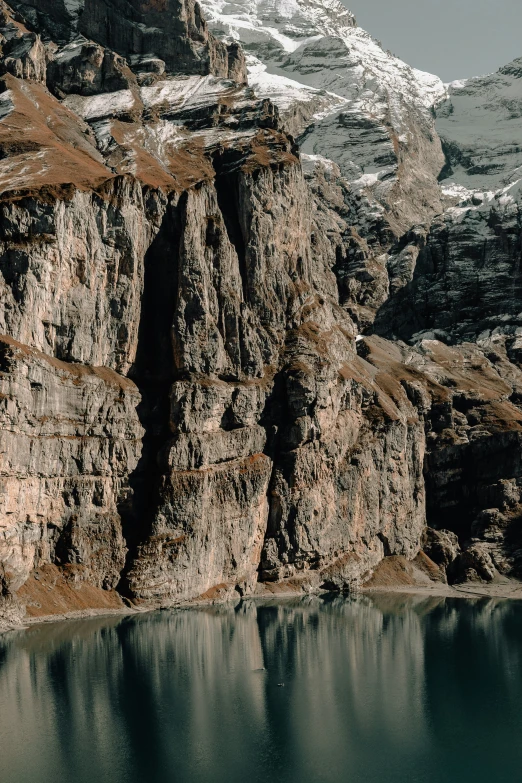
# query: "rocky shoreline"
x,y
501,590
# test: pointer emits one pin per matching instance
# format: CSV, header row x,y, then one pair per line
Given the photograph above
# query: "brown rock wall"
x,y
70,436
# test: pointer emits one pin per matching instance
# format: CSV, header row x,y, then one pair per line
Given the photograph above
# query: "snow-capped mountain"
x,y
480,125
288,23
356,104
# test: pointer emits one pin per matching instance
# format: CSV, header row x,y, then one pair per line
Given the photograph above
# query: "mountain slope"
x,y
479,124
382,134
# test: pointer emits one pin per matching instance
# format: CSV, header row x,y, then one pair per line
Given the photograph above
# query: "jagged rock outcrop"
x,y
469,396
458,278
172,31
86,68
72,271
356,104
23,53
461,280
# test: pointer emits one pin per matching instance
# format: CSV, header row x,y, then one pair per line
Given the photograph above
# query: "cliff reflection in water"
x,y
382,688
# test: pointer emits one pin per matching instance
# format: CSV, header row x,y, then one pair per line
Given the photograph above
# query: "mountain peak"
x,y
288,22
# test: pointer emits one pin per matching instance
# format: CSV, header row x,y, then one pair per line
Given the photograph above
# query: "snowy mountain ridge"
x,y
274,29
289,22
479,124
348,99
358,105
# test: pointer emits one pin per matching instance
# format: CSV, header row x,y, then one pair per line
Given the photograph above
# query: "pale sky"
x,y
454,39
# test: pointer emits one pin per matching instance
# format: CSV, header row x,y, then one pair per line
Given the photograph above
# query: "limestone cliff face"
x,y
189,408
163,259
171,31
72,271
70,437
470,398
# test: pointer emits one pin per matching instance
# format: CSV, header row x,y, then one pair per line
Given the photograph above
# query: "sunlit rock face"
x,y
192,402
70,438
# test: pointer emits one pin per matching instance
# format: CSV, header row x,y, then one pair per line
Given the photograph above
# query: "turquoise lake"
x,y
381,688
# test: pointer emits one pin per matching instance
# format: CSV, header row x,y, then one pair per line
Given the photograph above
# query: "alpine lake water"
x,y
382,687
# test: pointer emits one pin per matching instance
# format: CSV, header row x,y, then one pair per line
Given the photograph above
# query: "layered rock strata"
x,y
469,396
70,438
172,32
161,231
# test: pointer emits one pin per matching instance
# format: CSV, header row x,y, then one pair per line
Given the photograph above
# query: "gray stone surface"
x,y
171,30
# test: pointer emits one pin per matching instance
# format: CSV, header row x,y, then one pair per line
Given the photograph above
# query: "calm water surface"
x,y
384,689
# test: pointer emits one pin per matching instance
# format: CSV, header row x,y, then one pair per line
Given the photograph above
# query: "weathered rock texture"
x,y
469,396
461,280
172,31
70,437
350,100
188,404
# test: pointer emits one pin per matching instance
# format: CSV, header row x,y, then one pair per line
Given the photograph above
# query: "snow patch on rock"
x,y
373,100
6,104
184,91
290,95
479,124
110,104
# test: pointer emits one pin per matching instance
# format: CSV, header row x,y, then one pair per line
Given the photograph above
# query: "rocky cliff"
x,y
233,361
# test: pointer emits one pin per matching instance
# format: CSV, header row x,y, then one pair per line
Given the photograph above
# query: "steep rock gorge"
x,y
189,408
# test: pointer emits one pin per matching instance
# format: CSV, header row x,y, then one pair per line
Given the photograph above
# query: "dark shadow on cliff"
x,y
153,372
228,195
462,283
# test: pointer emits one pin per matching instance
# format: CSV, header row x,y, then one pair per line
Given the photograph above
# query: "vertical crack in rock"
x,y
153,372
227,190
